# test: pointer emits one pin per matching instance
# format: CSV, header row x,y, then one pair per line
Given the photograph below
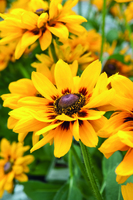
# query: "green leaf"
x,y
111,186
69,191
112,35
37,190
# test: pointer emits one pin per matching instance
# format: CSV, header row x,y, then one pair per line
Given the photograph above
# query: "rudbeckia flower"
x,y
119,128
127,191
74,107
28,26
113,66
13,165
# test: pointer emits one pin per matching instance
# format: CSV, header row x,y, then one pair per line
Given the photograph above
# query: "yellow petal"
x,y
127,191
125,168
90,75
62,141
45,40
59,30
87,134
44,86
22,177
75,130
85,114
43,141
64,81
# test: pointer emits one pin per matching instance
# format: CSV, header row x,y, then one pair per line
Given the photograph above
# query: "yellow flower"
x,y
113,66
69,109
129,12
127,191
119,128
13,165
28,26
99,3
84,48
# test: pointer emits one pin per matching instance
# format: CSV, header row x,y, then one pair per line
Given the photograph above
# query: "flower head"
x,y
71,108
13,165
119,128
28,26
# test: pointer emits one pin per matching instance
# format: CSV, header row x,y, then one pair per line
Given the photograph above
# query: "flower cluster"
x,y
13,165
78,77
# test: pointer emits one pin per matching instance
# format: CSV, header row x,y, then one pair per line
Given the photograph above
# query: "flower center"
x,y
111,66
69,104
39,11
7,167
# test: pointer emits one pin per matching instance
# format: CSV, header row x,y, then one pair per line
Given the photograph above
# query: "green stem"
x,y
88,165
52,48
70,163
103,28
80,8
80,164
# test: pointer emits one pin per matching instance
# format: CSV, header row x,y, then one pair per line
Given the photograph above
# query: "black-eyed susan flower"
x,y
71,108
113,66
127,191
13,165
28,26
119,128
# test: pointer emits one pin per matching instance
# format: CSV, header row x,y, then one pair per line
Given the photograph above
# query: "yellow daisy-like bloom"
x,y
27,26
119,128
13,165
113,66
129,12
82,48
99,3
127,191
69,109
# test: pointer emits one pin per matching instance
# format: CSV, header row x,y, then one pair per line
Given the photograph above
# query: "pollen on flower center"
x,y
7,167
69,104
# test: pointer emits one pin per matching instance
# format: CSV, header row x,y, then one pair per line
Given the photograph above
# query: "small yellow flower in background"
x,y
13,165
84,48
119,128
99,3
113,66
28,26
129,12
127,191
67,110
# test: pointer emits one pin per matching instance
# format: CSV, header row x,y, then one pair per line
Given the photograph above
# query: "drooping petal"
x,y
85,114
75,129
62,141
43,141
45,40
125,168
87,134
